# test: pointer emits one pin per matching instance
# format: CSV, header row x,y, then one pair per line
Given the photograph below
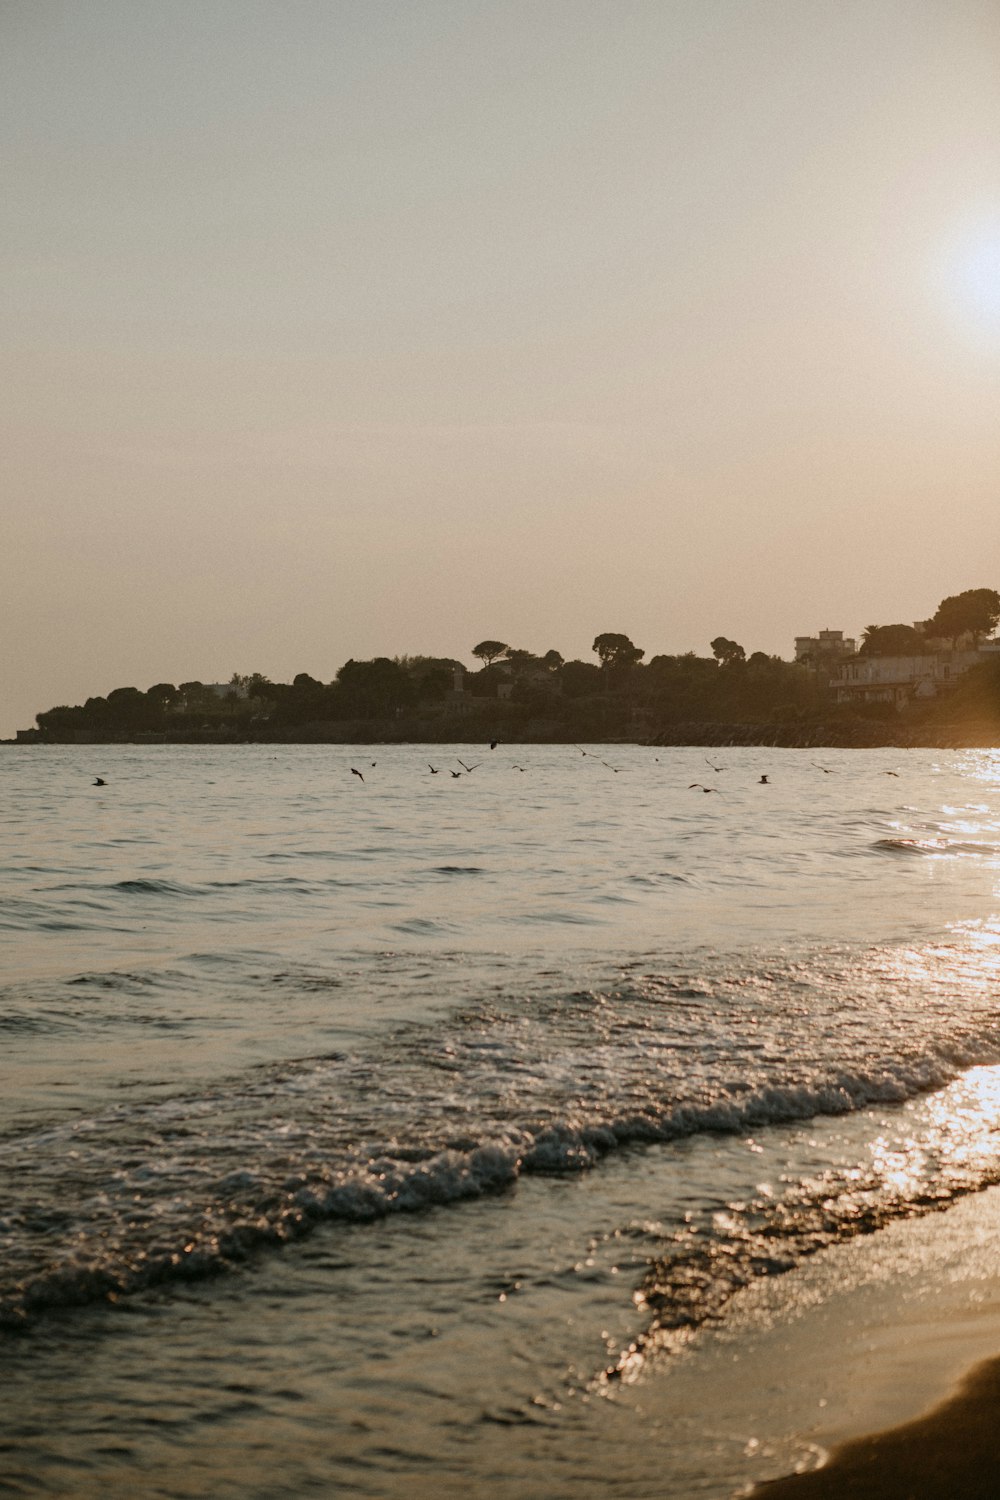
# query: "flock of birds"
x,y
699,786
467,770
436,770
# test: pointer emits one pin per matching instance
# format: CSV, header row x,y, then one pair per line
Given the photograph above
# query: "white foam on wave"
x,y
175,1216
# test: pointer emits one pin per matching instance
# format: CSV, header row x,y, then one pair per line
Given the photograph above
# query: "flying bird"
x,y
713,765
702,788
825,769
763,781
493,744
456,774
99,781
469,768
433,769
357,773
890,773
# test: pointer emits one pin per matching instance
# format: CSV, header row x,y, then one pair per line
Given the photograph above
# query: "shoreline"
x,y
707,736
893,1344
817,1384
951,1453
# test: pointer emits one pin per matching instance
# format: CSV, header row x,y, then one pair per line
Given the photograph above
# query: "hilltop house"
x,y
504,677
898,679
825,648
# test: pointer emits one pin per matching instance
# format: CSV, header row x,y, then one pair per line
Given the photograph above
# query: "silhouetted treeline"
x,y
520,695
967,616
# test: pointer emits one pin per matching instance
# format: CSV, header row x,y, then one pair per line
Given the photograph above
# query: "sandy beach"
x,y
873,1372
950,1454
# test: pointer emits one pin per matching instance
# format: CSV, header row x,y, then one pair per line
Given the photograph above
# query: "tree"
x,y
253,684
417,665
580,679
194,696
371,688
129,709
430,676
976,699
489,651
433,685
892,640
62,722
975,612
728,653
552,661
304,701
617,650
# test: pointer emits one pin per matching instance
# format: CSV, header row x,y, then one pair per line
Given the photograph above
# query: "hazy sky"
x,y
355,327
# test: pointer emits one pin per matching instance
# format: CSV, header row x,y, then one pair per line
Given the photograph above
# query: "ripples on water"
x,y
252,1003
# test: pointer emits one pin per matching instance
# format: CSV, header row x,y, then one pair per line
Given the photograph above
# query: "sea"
x,y
401,1120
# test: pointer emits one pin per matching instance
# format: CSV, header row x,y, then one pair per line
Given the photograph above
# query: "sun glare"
x,y
973,277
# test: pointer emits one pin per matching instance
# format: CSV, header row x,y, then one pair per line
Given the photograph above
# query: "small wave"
x,y
690,1284
141,886
17,1023
937,846
18,914
283,854
435,1112
295,885
458,870
250,1210
316,982
420,927
570,918
147,887
120,979
911,846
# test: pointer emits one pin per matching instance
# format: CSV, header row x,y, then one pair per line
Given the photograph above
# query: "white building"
x,y
827,646
898,679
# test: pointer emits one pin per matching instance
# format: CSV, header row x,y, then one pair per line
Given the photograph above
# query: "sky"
x,y
344,328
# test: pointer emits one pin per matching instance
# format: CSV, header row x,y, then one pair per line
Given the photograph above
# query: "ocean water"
x,y
404,1136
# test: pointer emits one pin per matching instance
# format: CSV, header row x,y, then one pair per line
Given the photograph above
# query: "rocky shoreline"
x,y
872,735
847,735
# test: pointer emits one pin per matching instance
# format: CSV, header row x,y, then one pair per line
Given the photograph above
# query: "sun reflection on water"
x,y
939,1147
958,1139
960,829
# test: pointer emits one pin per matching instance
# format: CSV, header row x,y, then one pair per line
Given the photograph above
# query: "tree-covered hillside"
x,y
518,693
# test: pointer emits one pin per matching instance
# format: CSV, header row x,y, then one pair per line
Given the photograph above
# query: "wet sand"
x,y
885,1357
879,1336
951,1454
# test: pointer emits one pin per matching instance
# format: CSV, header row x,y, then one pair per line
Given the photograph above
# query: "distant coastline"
x,y
934,684
856,735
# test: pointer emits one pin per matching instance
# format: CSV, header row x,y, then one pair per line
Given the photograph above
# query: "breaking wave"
x,y
142,1195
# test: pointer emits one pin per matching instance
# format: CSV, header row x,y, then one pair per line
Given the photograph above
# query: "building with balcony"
x,y
826,647
899,679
